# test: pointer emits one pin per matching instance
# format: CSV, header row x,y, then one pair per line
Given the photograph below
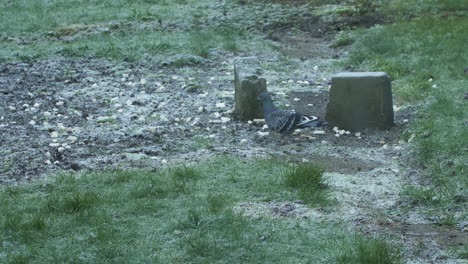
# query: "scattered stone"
x,y
220,105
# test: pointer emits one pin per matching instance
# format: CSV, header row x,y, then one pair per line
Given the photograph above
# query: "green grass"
x,y
309,181
177,215
424,58
174,32
370,251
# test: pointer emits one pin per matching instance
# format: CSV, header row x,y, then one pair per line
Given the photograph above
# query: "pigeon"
x,y
285,121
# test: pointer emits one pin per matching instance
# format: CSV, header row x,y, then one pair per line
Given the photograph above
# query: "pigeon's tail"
x,y
311,121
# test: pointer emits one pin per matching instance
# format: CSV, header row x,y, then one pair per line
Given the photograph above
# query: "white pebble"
x,y
357,134
217,114
212,136
263,134
72,138
48,154
200,109
94,85
32,122
143,81
225,119
54,134
59,103
310,104
54,145
47,162
297,99
319,132
249,122
259,121
12,108
125,75
61,149
164,161
37,105
220,105
315,68
264,127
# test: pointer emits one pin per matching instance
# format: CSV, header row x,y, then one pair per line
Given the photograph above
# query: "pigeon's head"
x,y
264,97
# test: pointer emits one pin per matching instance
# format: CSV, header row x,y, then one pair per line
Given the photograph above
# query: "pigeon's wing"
x,y
306,119
282,121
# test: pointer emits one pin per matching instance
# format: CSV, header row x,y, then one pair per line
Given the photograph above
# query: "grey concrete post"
x,y
360,100
247,90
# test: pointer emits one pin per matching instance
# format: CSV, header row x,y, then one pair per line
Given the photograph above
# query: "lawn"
x,y
177,215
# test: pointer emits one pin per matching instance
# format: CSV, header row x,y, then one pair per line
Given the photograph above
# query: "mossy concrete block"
x,y
247,89
360,100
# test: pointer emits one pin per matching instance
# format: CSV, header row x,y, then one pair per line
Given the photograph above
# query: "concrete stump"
x,y
360,100
247,90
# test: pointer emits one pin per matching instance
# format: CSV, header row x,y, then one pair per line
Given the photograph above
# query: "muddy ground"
x,y
87,114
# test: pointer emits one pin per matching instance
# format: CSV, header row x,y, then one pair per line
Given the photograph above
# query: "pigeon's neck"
x,y
268,107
